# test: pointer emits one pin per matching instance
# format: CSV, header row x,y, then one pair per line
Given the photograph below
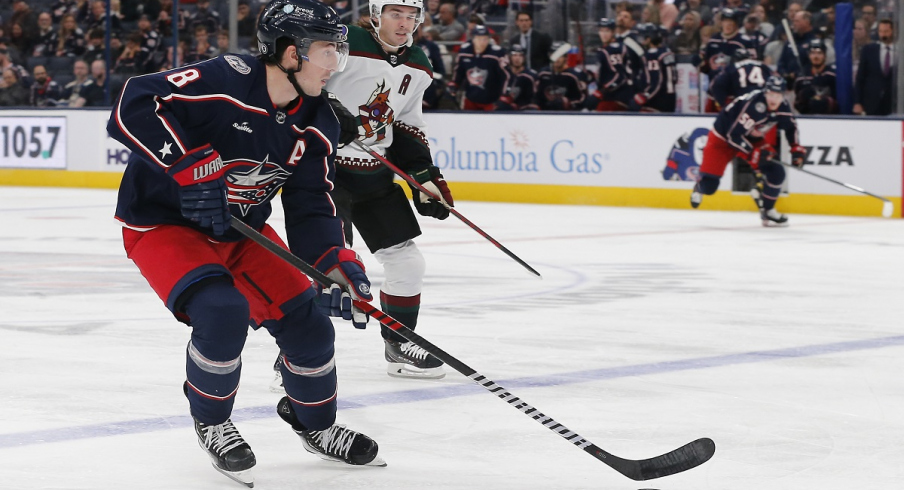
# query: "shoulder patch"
x,y
238,64
760,107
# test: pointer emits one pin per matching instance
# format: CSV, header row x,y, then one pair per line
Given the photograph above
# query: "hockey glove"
x,y
798,156
433,181
452,87
202,188
348,124
345,267
639,101
761,153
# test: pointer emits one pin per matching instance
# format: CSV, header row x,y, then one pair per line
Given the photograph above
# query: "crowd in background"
x,y
487,54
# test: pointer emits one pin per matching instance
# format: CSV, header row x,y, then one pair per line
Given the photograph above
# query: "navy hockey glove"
x,y
798,156
761,154
202,188
348,124
433,181
345,267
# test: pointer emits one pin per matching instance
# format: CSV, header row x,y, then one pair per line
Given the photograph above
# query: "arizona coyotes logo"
x,y
376,114
251,183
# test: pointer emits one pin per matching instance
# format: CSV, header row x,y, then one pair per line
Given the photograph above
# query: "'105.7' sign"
x,y
33,142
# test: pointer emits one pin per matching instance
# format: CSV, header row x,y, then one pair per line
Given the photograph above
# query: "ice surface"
x,y
650,328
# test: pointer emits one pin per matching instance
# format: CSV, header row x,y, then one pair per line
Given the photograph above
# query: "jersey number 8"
x,y
182,78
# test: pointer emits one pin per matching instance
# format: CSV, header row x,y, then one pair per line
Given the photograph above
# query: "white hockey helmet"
x,y
376,9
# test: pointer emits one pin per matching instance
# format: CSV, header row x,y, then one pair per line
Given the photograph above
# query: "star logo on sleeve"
x,y
165,150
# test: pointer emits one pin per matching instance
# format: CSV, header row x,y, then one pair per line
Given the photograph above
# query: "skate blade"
x,y
244,477
772,224
377,461
403,370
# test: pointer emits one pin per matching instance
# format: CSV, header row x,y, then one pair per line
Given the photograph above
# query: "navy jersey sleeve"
x,y
148,122
608,76
720,88
787,123
653,72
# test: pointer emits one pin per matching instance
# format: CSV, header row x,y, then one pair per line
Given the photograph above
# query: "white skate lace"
x,y
335,440
411,349
222,438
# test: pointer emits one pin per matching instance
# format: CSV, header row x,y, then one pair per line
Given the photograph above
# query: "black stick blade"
x,y
684,458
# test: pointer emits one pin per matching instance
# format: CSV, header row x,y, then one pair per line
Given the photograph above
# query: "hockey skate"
x,y
408,360
335,443
229,453
756,192
773,219
276,385
696,197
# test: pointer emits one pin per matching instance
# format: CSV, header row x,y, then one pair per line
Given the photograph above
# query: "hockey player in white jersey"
x,y
382,89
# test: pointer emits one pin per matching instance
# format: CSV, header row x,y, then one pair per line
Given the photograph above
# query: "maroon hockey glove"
x,y
348,124
798,156
202,188
433,181
345,267
761,153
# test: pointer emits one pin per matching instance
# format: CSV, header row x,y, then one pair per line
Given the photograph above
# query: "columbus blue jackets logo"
x,y
686,155
477,77
238,64
376,114
251,183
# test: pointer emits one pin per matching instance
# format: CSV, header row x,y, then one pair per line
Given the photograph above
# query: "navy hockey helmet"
x,y
736,15
775,83
740,55
304,22
517,48
653,32
818,45
606,22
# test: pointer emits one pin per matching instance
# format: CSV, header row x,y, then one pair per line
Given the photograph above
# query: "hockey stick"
x,y
800,65
396,170
887,206
684,458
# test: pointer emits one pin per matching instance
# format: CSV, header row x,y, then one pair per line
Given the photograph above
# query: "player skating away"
x,y
480,72
215,141
615,89
656,87
747,129
743,76
383,88
521,88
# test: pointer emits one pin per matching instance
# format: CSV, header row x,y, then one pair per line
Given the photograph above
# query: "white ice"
x,y
649,329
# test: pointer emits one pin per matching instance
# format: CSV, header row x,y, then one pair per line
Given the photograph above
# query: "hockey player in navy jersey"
x,y
559,88
656,87
743,76
747,128
815,92
719,50
214,142
615,89
480,72
522,83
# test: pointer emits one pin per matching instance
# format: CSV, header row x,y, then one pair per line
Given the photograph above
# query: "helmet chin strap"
x,y
290,74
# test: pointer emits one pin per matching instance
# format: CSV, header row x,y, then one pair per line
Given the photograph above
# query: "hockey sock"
x,y
402,308
774,177
306,341
219,320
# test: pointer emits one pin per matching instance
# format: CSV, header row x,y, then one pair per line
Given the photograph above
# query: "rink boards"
x,y
582,158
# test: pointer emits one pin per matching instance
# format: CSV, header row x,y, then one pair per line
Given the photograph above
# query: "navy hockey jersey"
x,y
613,70
224,102
816,93
738,79
559,91
718,51
748,119
659,78
521,89
482,76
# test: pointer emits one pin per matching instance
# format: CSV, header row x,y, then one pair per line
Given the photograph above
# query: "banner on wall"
x,y
33,142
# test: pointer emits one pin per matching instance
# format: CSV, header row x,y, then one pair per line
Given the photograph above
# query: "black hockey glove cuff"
x,y
432,180
348,124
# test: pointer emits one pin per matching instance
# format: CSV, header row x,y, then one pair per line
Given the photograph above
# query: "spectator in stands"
x,y
165,21
201,50
247,22
19,40
766,27
448,28
151,56
60,8
668,13
46,42
815,92
868,15
131,59
71,39
431,8
132,10
205,16
72,92
752,30
861,39
12,93
559,87
536,44
94,91
789,65
479,72
874,88
6,62
44,91
703,11
98,17
25,17
687,36
95,48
